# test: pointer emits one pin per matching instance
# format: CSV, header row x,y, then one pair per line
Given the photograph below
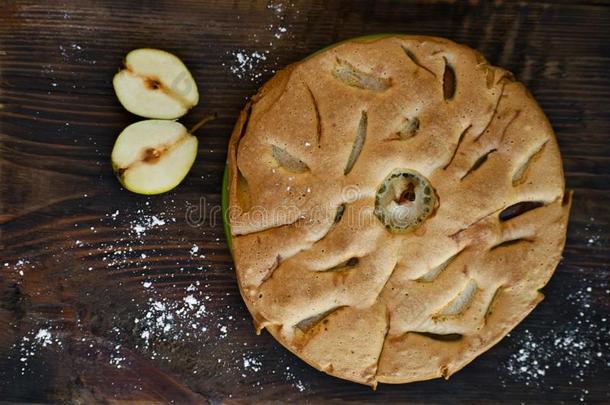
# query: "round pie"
x,y
395,206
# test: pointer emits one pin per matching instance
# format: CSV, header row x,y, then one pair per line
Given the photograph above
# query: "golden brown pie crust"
x,y
320,271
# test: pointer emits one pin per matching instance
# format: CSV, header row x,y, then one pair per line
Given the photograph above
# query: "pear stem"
x,y
202,122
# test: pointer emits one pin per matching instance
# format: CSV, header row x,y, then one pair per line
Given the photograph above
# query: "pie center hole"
x,y
404,200
408,195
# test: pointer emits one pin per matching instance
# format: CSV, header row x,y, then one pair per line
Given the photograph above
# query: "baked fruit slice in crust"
x,y
395,207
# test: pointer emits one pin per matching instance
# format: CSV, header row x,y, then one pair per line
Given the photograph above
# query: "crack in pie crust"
x,y
332,166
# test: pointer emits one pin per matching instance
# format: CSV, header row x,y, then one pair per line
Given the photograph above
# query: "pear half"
x,y
153,156
155,84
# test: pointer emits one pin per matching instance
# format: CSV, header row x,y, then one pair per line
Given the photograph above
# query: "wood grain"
x,y
59,119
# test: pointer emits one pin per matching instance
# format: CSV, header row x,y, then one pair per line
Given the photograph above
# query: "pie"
x,y
395,206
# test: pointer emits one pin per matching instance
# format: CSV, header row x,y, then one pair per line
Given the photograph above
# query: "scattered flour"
x,y
145,223
32,343
296,382
592,235
252,65
279,11
223,330
195,252
165,319
593,240
116,359
74,53
276,6
252,363
246,64
43,337
578,346
20,266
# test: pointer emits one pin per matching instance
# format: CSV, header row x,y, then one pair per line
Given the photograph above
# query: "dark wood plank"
x,y
80,281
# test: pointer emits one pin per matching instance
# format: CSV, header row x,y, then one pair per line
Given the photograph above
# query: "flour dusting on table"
x,y
31,344
251,65
577,345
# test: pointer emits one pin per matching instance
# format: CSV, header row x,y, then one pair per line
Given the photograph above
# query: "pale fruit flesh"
x,y
153,156
155,84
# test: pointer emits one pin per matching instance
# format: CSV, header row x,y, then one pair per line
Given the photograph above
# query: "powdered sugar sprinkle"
x,y
579,345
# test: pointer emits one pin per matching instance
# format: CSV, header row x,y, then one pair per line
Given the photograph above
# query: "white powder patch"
x,y
592,234
171,320
159,324
20,267
276,6
299,385
116,359
296,382
145,223
195,252
252,65
130,228
31,344
75,53
248,65
191,301
577,345
43,337
279,12
138,229
252,363
160,319
593,240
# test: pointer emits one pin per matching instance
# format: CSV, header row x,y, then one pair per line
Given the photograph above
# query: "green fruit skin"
x,y
225,178
224,202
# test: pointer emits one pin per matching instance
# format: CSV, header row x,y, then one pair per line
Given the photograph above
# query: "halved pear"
x,y
155,84
153,156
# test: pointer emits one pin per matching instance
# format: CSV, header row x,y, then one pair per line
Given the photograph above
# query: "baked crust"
x,y
323,274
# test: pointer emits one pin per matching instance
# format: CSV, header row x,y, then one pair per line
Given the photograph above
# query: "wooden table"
x,y
106,295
